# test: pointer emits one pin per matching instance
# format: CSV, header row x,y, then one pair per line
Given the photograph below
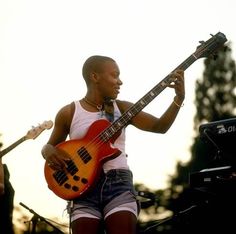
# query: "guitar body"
x,y
87,156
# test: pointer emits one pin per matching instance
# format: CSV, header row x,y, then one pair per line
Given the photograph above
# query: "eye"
x,y
116,75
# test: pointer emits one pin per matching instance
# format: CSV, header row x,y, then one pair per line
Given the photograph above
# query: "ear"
x,y
94,77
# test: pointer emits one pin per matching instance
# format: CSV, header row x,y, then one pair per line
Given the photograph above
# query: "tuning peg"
x,y
215,56
39,125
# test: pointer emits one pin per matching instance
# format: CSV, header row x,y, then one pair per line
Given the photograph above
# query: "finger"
x,y
55,166
175,84
176,79
64,155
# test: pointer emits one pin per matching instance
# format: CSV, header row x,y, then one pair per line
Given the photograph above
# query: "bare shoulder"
x,y
65,114
123,105
64,111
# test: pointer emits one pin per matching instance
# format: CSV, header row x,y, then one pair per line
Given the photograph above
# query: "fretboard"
x,y
12,146
205,49
125,118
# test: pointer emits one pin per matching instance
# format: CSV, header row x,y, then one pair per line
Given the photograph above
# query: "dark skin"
x,y
101,85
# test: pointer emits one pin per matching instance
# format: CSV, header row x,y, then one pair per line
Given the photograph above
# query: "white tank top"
x,y
81,121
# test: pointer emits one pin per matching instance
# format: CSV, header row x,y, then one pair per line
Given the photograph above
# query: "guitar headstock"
x,y
36,131
211,46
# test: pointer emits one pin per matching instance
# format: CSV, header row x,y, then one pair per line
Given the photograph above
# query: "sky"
x,y
43,45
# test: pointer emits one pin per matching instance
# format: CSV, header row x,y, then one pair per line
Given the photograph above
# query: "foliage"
x,y
214,100
167,211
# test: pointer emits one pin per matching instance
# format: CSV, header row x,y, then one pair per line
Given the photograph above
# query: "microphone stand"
x,y
149,229
36,217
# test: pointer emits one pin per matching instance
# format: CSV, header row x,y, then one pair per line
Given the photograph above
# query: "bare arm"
x,y
60,131
148,122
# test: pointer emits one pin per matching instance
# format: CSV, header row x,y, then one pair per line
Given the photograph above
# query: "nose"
x,y
119,81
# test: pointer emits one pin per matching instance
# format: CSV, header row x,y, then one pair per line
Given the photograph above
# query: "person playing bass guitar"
x,y
94,156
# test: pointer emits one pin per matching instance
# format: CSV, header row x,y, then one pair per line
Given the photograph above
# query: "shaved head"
x,y
94,64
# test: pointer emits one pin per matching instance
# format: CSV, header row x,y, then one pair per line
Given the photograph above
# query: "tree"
x,y
215,100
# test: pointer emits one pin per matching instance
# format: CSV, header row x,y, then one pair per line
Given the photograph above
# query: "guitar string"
x,y
84,154
184,64
97,142
193,56
93,144
31,134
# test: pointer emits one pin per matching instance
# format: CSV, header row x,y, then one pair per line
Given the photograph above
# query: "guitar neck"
x,y
155,91
31,134
125,118
12,146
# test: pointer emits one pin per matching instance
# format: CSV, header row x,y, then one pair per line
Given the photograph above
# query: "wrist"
x,y
44,151
178,101
179,98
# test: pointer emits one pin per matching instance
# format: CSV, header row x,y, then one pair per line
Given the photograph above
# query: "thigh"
x,y
85,225
124,222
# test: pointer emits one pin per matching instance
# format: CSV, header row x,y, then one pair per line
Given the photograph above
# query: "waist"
x,y
119,162
119,171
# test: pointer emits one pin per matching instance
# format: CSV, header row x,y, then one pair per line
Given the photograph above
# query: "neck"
x,y
94,104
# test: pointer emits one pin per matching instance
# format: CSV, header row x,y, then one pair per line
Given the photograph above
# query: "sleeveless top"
x,y
82,120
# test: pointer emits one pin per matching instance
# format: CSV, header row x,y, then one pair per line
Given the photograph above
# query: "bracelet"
x,y
178,104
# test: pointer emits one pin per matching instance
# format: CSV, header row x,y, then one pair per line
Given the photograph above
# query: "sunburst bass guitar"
x,y
87,155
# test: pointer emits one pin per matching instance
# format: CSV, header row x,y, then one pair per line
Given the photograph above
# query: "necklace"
x,y
98,107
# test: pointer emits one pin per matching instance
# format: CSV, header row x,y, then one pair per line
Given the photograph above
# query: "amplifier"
x,y
226,127
212,176
221,135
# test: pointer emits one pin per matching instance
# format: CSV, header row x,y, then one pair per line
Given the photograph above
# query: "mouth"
x,y
117,91
117,88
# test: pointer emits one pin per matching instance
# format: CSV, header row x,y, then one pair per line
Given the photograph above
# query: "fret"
x,y
205,49
98,149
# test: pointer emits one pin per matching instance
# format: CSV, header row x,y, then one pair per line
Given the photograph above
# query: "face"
x,y
108,81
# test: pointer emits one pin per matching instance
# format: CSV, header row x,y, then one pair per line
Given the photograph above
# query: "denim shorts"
x,y
113,189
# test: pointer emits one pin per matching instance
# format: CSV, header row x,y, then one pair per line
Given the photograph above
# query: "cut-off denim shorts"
x,y
113,189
